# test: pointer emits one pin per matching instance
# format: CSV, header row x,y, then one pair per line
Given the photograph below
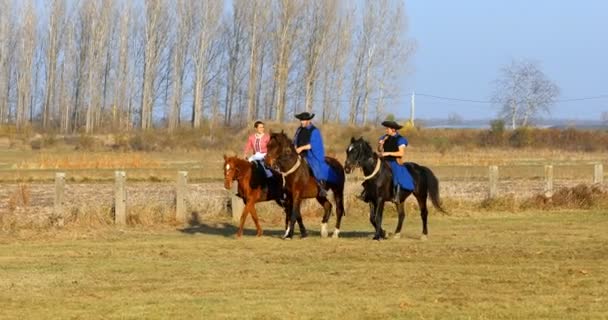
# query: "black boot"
x,y
322,189
397,194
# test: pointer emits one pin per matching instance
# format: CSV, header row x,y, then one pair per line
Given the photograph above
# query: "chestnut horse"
x,y
300,183
251,189
378,186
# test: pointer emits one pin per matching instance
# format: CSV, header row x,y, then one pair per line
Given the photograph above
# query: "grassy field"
x,y
493,266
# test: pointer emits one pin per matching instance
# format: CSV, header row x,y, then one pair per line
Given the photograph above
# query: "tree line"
x,y
118,65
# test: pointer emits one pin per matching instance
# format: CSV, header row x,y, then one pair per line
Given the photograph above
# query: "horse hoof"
x,y
424,237
336,234
304,235
324,230
397,236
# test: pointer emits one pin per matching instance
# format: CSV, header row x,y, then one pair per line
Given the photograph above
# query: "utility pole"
x,y
412,108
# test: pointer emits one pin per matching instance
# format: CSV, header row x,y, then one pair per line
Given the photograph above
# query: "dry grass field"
x,y
532,265
517,256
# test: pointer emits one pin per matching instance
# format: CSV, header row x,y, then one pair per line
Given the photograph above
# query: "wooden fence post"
x,y
548,180
58,208
598,173
236,204
180,197
493,175
120,198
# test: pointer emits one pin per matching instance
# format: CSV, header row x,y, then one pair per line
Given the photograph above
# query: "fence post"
x,y
548,180
59,199
598,173
120,198
236,204
180,197
493,175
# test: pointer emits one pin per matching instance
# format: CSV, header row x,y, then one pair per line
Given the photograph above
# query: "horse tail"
x,y
432,184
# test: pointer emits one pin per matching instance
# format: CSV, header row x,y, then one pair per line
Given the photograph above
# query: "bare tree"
x,y
53,47
99,22
523,90
184,32
257,14
155,36
283,37
334,75
25,71
206,28
6,36
319,17
121,116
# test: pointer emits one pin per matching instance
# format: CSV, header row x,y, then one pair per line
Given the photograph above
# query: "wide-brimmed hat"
x,y
392,124
305,116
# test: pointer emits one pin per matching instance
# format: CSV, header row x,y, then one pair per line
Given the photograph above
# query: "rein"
x,y
290,171
376,170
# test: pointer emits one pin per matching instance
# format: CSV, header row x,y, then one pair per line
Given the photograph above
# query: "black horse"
x,y
378,186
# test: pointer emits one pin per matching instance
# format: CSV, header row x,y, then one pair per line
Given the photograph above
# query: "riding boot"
x,y
322,189
397,194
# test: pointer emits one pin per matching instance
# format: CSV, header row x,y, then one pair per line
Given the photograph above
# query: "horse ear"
x,y
282,131
225,158
352,139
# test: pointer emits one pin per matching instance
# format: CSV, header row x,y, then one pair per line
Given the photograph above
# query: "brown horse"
x,y
251,189
300,183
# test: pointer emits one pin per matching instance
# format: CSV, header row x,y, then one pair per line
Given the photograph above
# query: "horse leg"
x,y
254,215
380,234
372,213
303,232
339,214
327,213
424,212
401,212
295,215
239,233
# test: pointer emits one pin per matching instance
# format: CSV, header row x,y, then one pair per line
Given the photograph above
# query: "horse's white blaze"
x,y
350,148
227,167
324,230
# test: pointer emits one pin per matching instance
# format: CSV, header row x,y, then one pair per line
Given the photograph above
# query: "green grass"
x,y
496,266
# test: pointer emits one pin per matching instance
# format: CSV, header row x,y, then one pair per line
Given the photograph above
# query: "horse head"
x,y
357,153
231,170
278,145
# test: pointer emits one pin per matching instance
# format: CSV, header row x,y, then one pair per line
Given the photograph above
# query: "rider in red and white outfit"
x,y
256,147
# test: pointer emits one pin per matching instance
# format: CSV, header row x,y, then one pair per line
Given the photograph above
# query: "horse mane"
x,y
240,163
283,140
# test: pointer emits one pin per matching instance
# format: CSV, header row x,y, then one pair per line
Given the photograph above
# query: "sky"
x,y
461,46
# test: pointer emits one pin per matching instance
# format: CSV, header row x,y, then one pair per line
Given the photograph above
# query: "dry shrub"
x,y
150,214
20,197
502,203
89,215
578,197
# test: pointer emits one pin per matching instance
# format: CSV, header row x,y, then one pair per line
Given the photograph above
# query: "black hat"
x,y
305,116
392,124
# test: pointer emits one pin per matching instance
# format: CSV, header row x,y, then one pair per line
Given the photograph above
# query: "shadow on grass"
x,y
229,230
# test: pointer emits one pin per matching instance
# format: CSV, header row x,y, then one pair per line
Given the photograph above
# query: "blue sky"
x,y
461,46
